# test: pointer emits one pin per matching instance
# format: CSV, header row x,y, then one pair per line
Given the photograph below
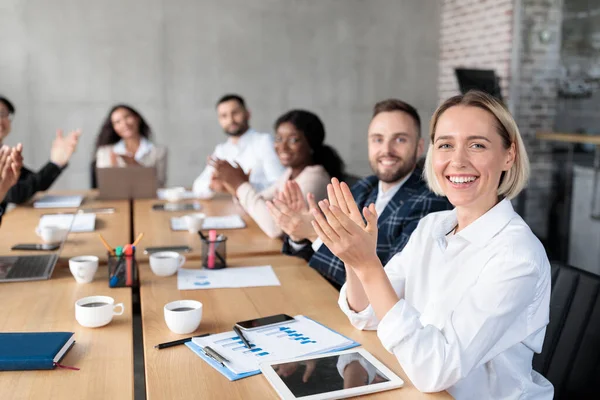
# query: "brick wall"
x,y
475,34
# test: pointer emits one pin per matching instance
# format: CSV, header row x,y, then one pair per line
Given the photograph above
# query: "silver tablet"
x,y
330,376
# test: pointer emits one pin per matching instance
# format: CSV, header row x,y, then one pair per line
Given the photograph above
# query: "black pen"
x,y
177,342
238,331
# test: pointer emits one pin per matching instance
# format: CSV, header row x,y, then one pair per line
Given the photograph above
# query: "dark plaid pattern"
x,y
399,219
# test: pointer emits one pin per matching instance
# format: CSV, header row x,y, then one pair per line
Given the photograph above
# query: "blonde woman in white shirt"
x,y
465,305
309,163
124,140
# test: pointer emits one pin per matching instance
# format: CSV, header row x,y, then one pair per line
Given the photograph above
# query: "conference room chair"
x,y
570,357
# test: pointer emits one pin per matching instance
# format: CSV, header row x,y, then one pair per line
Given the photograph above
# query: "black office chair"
x,y
570,357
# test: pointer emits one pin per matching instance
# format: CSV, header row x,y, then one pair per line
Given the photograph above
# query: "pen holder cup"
x,y
122,271
214,252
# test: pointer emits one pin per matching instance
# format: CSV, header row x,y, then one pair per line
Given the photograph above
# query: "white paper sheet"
x,y
298,338
223,222
50,201
190,279
188,194
83,222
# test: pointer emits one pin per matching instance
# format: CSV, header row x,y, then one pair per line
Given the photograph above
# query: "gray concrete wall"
x,y
65,62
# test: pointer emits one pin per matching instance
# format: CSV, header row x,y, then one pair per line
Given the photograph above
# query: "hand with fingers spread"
x,y
291,214
342,229
64,146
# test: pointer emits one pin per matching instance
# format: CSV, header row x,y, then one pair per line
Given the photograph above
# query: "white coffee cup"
x,y
95,311
51,233
83,268
165,263
194,222
174,194
183,316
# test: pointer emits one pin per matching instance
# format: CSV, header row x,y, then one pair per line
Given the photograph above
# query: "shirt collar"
x,y
145,147
244,139
392,190
480,231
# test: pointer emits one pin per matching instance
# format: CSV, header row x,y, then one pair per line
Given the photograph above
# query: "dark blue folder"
x,y
33,350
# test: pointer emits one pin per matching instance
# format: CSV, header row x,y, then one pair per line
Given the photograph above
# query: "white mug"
x,y
83,268
51,233
95,311
194,222
165,263
183,316
174,194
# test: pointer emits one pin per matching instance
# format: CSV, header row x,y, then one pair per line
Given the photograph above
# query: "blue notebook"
x,y
33,350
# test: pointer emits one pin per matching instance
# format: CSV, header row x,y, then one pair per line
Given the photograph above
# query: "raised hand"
x,y
231,177
343,230
63,147
11,162
296,224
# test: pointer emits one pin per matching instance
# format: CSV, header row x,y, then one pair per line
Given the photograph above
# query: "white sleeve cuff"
x,y
296,246
316,245
401,321
362,320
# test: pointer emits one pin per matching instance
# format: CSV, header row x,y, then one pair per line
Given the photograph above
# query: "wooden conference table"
x,y
105,355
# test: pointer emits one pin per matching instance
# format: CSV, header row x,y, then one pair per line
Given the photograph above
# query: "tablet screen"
x,y
328,374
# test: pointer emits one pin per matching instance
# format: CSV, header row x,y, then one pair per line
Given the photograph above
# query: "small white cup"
x,y
194,222
83,268
51,233
183,316
174,194
96,311
165,263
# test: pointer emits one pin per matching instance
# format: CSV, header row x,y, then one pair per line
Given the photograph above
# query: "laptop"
x,y
30,267
131,182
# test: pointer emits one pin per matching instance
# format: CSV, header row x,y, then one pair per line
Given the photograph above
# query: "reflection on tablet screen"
x,y
327,374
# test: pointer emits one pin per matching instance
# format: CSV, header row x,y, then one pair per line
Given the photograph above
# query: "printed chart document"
x,y
191,279
301,337
52,201
233,221
83,222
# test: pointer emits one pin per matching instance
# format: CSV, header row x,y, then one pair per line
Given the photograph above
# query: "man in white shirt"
x,y
250,151
400,194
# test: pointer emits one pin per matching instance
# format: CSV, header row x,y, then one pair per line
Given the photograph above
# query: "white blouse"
x,y
473,307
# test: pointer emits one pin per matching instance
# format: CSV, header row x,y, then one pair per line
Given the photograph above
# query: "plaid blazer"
x,y
399,219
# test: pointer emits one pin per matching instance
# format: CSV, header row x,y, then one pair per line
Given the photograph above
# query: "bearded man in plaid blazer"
x,y
400,194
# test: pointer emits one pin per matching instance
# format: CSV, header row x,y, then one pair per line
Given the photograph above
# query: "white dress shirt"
x,y
473,307
381,202
254,152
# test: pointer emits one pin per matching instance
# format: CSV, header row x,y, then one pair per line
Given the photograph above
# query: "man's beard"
x,y
399,173
240,130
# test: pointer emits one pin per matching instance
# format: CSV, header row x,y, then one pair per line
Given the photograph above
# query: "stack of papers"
x,y
224,222
83,222
298,338
50,201
162,194
190,279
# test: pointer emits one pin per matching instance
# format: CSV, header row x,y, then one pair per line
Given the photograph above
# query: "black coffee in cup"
x,y
183,309
96,304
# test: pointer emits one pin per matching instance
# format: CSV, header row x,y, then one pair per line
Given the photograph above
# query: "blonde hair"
x,y
511,181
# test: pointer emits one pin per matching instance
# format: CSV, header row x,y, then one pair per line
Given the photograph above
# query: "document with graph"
x,y
297,338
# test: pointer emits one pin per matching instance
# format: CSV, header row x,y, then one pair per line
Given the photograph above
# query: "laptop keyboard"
x,y
30,266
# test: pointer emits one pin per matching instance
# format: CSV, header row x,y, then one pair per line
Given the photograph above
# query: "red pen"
x,y
128,250
212,237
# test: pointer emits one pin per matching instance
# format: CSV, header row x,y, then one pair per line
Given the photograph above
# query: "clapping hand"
x,y
292,214
63,147
11,162
231,177
342,229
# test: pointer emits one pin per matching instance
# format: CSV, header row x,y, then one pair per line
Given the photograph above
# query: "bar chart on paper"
x,y
298,338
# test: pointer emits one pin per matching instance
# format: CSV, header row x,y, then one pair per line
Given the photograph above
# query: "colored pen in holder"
x,y
213,250
122,267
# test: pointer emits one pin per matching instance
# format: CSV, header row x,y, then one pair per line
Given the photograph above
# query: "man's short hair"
x,y
231,96
390,105
8,104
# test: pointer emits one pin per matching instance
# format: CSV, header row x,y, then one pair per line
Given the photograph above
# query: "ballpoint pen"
x,y
177,342
238,331
210,352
